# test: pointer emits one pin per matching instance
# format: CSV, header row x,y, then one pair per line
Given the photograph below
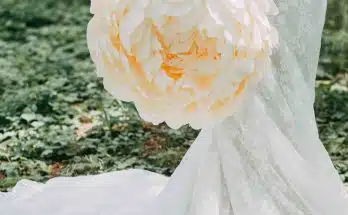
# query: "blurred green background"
x,y
56,119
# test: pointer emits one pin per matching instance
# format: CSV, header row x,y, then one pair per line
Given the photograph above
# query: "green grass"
x,y
56,119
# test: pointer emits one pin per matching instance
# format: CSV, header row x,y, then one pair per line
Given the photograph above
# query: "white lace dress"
x,y
266,159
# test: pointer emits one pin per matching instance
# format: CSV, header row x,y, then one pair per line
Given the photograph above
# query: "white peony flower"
x,y
181,61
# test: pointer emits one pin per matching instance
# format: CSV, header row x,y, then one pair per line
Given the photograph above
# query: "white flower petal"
x,y
182,61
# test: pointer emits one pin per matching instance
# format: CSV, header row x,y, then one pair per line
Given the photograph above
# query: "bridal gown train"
x,y
266,159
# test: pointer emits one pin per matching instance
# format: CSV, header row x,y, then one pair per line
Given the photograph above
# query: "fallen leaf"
x,y
83,129
153,144
56,168
119,127
2,176
85,119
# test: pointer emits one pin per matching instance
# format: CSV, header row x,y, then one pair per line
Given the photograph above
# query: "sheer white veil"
x,y
267,158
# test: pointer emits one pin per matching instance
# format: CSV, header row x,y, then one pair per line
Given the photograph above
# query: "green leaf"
x,y
29,117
